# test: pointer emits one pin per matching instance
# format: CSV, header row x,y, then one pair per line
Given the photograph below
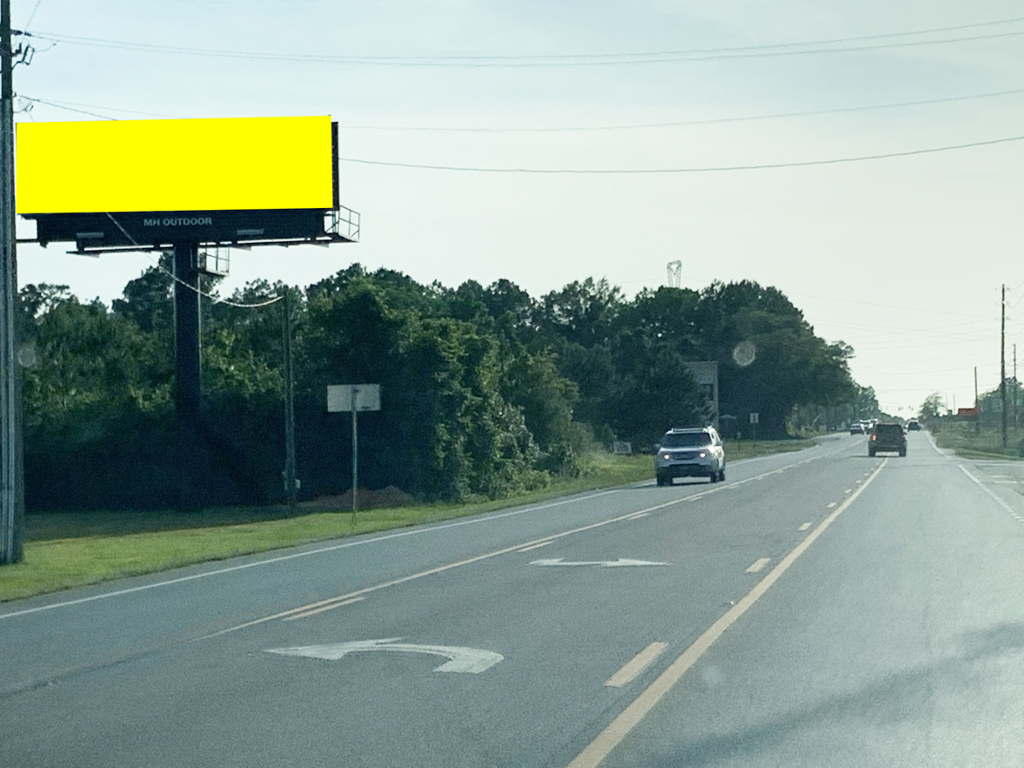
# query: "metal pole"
x,y
187,371
12,498
289,404
355,453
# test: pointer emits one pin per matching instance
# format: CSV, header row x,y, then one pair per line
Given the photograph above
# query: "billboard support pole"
x,y
12,492
355,453
289,403
187,368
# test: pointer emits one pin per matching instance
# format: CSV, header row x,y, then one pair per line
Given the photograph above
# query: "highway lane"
x,y
143,677
897,640
152,612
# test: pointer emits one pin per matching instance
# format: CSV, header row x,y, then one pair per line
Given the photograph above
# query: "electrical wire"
x,y
561,60
682,123
72,106
706,169
32,15
84,109
175,278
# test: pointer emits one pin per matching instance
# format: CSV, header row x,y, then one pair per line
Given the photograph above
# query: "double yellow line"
x,y
631,716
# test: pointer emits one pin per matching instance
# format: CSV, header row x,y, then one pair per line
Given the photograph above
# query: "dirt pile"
x,y
385,497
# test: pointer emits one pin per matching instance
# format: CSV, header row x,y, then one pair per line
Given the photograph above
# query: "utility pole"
x,y
977,410
1016,387
289,404
12,490
1002,361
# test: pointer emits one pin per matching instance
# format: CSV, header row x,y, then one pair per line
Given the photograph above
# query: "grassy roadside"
x,y
64,550
984,444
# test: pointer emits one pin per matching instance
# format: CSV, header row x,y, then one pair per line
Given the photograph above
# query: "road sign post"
x,y
354,398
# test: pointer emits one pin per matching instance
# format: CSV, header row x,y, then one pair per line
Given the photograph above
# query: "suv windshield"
x,y
686,440
889,430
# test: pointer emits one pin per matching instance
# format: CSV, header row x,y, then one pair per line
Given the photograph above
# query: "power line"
x,y
87,109
682,123
556,60
706,169
72,106
179,281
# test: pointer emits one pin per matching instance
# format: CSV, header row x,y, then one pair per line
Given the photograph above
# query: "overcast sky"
x,y
902,258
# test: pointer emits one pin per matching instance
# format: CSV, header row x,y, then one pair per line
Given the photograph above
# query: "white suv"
x,y
695,452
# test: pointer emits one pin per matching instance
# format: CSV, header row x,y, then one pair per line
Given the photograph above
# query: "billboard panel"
x,y
221,164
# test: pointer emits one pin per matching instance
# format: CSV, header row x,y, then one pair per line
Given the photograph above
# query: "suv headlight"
x,y
703,454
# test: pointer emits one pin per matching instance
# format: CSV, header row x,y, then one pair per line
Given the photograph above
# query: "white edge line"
x,y
995,498
598,749
344,545
294,555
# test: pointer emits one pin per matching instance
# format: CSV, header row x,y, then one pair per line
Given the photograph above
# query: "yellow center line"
x,y
536,546
322,609
758,565
636,665
630,717
486,556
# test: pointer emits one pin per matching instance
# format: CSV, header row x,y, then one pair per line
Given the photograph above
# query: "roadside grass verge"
x,y
64,550
984,444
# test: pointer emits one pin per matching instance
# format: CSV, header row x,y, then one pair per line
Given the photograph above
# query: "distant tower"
x,y
675,274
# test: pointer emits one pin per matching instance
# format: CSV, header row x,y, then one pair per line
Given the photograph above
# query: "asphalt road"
x,y
817,608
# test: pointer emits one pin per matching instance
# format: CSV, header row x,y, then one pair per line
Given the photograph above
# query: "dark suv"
x,y
887,437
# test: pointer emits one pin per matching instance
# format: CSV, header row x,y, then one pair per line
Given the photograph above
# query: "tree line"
x,y
485,391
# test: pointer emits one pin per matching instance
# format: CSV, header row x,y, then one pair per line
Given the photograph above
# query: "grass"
x,y
64,550
986,443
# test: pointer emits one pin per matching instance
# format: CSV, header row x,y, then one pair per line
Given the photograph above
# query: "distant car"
x,y
690,452
887,437
913,425
856,428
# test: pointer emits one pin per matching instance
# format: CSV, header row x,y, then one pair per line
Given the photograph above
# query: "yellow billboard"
x,y
220,164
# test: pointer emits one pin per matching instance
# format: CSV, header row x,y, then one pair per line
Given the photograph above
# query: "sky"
x,y
903,258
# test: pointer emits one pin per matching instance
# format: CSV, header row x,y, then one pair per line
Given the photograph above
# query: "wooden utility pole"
x,y
12,493
1002,361
977,410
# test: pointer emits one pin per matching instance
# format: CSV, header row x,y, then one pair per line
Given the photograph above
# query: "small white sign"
x,y
755,418
340,397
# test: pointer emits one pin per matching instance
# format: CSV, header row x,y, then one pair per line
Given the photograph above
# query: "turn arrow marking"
x,y
471,660
604,564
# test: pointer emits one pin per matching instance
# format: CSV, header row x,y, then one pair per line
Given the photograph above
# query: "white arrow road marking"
x,y
604,564
471,660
